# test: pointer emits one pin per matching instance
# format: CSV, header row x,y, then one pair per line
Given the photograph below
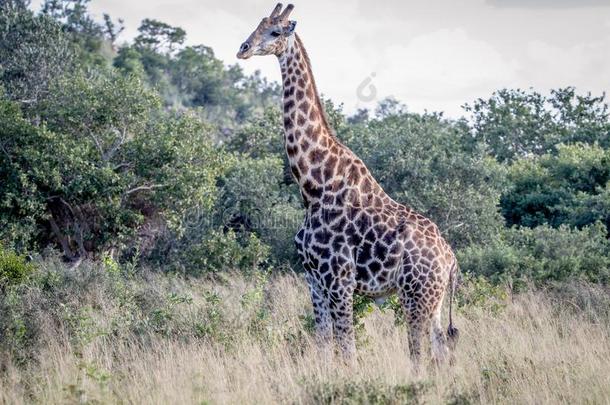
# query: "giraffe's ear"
x,y
289,29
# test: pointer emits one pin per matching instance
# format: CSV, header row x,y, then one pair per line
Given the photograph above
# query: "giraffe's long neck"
x,y
310,145
327,172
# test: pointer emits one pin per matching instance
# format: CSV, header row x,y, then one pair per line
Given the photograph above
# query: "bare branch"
x,y
62,239
122,165
79,239
145,188
2,147
97,144
75,263
64,202
116,145
456,226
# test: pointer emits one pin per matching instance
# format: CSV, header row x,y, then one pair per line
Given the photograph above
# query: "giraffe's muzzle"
x,y
245,51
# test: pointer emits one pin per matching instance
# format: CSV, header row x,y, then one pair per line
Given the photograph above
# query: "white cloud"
x,y
445,65
586,64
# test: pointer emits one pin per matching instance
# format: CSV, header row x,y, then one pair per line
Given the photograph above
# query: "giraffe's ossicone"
x,y
355,238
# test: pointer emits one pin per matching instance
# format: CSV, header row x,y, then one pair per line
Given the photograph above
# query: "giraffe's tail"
x,y
452,332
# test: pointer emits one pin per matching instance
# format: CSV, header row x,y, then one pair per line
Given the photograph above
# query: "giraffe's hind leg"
x,y
438,342
422,320
418,322
416,332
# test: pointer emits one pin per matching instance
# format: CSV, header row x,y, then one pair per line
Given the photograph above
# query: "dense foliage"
x,y
158,153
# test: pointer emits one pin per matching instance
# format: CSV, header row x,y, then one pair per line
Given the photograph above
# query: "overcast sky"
x,y
434,55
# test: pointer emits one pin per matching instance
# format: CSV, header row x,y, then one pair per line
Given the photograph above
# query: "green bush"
x,y
225,251
542,254
253,197
569,187
14,268
477,292
34,50
515,124
262,136
105,300
87,194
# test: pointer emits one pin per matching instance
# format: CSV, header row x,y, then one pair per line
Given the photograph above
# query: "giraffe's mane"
x,y
318,102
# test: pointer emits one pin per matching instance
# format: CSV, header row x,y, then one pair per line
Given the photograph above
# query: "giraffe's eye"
x,y
275,34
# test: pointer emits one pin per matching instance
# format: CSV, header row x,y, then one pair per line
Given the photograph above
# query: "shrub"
x,y
105,302
478,292
542,254
261,136
224,251
14,268
34,50
253,197
87,194
568,187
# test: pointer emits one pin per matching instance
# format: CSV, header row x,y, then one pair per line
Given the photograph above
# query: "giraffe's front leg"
x,y
342,311
321,311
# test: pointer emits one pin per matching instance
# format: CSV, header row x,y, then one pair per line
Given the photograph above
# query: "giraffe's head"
x,y
271,35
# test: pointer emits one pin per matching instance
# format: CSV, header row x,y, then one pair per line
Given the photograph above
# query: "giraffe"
x,y
354,238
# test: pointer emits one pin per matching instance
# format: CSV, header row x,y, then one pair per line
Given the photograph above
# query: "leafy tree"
x,y
271,209
73,14
106,160
201,80
261,136
515,123
104,107
581,119
21,206
225,93
257,93
192,77
542,254
129,61
158,36
93,39
34,50
566,188
111,30
360,117
388,107
15,5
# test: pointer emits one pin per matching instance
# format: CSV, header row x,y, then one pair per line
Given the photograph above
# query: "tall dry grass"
x,y
257,348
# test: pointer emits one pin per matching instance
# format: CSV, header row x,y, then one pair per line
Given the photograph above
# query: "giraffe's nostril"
x,y
244,47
